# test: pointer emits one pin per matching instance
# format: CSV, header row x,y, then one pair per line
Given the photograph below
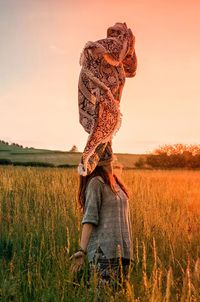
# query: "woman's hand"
x,y
79,257
78,261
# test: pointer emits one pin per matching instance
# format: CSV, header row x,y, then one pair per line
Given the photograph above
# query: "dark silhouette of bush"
x,y
66,166
140,162
195,162
33,164
166,161
157,161
5,161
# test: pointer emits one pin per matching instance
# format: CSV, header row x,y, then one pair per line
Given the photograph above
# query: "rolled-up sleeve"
x,y
93,196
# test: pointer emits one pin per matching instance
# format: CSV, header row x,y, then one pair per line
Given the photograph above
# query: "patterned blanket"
x,y
105,65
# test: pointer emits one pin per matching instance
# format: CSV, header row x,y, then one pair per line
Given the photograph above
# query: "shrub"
x,y
140,162
5,161
33,164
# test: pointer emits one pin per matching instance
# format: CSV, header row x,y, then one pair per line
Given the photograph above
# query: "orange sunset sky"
x,y
41,41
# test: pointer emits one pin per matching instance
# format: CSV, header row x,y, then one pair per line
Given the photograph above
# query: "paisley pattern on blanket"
x,y
105,65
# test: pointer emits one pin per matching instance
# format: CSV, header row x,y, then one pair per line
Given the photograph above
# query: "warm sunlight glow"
x,y
41,42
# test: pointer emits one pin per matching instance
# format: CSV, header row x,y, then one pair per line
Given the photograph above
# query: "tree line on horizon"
x,y
14,145
172,156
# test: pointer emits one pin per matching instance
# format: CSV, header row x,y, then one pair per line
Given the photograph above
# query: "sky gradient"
x,y
41,42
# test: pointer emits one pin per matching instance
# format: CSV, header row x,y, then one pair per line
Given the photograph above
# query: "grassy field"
x,y
40,227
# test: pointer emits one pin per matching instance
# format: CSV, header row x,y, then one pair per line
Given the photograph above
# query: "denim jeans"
x,y
109,271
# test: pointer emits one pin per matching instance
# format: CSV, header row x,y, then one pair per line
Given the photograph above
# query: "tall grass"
x,y
40,229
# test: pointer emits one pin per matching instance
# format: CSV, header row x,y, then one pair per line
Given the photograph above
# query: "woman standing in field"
x,y
106,233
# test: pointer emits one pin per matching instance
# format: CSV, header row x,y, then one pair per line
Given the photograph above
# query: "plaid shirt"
x,y
110,215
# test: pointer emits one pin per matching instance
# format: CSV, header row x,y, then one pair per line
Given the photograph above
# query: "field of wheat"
x,y
40,230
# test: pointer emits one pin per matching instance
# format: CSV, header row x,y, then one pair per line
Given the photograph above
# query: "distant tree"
x,y
194,149
73,149
178,149
175,156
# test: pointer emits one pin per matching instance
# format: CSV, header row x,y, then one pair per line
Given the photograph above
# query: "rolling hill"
x,y
15,153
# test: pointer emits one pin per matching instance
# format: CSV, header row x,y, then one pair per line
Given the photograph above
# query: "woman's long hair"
x,y
108,178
